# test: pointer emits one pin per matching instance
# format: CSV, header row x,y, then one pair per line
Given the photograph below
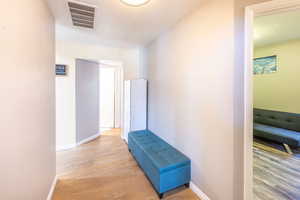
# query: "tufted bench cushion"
x,y
166,167
277,126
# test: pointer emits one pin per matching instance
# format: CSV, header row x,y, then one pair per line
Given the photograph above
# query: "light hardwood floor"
x,y
104,170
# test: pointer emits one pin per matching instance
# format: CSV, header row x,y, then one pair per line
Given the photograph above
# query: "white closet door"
x,y
127,106
107,97
138,105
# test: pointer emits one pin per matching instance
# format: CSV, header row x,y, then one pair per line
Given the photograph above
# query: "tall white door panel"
x,y
127,111
135,106
138,105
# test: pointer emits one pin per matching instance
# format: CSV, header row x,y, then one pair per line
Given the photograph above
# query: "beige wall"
x,y
191,94
196,96
66,53
27,120
279,91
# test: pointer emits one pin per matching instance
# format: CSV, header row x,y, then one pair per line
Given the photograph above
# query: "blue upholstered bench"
x,y
165,167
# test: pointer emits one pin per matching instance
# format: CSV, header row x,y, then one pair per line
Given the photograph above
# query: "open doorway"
x,y
110,95
107,97
272,112
276,108
78,101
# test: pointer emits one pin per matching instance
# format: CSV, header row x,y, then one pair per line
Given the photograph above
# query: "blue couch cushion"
x,y
277,134
163,155
284,120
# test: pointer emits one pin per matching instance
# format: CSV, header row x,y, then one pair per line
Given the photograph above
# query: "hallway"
x,y
104,170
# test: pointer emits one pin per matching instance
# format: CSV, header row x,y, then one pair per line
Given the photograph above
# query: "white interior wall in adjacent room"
x,y
27,117
66,53
107,96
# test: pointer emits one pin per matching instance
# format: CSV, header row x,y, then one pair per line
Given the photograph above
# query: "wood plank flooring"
x,y
276,174
104,170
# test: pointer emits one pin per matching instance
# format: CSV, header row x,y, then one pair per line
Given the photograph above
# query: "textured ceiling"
x,y
120,25
276,28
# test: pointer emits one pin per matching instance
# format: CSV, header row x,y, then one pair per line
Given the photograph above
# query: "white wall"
x,y
107,96
191,94
65,104
27,120
66,53
196,97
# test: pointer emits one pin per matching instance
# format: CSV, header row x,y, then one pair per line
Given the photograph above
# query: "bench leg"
x,y
161,195
288,149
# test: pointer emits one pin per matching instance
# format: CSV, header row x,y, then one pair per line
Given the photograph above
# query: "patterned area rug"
x,y
276,174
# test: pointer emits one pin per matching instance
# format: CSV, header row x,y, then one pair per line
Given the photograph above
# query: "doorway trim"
x,y
261,9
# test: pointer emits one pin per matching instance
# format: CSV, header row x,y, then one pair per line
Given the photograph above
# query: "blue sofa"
x,y
165,167
281,127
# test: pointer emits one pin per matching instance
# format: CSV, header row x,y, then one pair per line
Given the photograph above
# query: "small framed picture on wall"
x,y
265,65
61,70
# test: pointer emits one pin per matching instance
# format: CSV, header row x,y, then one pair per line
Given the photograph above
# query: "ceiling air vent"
x,y
82,15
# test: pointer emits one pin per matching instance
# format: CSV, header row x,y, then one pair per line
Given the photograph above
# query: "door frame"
x,y
261,9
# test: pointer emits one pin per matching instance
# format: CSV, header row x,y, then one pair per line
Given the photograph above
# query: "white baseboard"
x,y
123,138
50,194
198,192
88,139
71,146
66,147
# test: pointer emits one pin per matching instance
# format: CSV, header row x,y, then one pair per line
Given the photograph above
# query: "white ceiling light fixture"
x,y
135,2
